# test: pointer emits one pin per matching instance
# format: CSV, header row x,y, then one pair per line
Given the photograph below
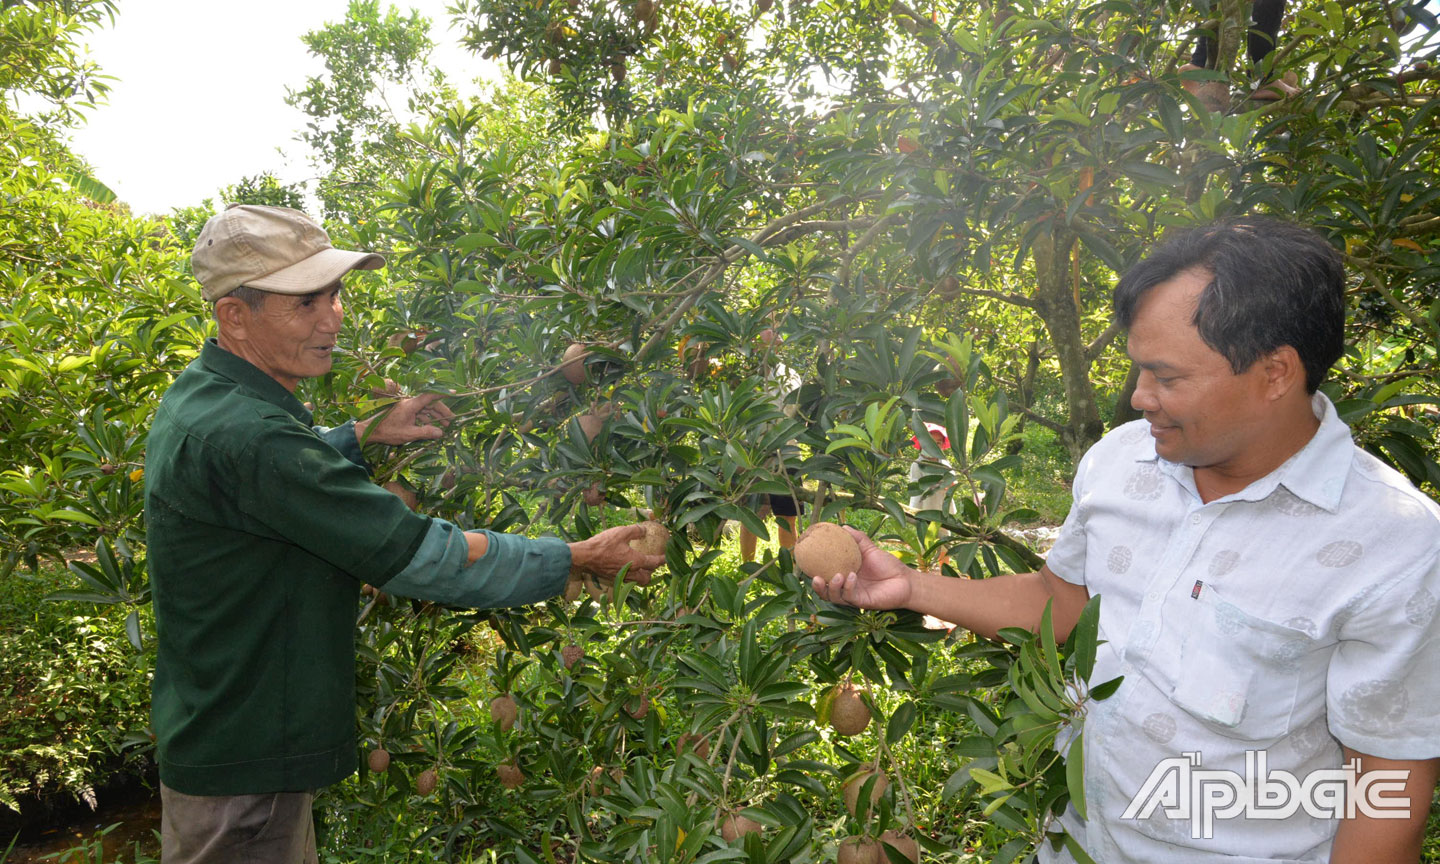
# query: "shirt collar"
x,y
1315,474
227,365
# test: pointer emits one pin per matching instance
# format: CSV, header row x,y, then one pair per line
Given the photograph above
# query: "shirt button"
x,y
1195,519
1152,596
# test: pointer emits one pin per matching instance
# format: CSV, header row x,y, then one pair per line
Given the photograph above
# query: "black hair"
x,y
1272,283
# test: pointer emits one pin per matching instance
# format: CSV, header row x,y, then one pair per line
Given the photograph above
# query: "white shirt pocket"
x,y
1240,675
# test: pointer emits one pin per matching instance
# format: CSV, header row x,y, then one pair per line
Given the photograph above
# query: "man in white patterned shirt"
x,y
1269,588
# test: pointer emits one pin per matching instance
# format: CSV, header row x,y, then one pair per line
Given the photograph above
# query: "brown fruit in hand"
x,y
826,549
693,743
504,711
849,715
404,493
573,589
904,845
596,591
859,850
593,496
510,774
426,782
572,363
855,784
571,654
736,826
379,760
654,540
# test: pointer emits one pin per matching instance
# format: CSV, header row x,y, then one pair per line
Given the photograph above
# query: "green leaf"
x,y
1083,639
1075,774
900,723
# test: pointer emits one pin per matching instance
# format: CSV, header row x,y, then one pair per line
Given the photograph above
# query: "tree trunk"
x,y
1056,308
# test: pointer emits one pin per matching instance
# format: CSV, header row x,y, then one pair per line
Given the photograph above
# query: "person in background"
x,y
261,530
1260,40
1268,588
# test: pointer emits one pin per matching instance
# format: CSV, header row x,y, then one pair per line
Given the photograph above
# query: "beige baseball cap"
x,y
270,248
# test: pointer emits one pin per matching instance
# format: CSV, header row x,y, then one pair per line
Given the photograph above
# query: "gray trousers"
x,y
274,828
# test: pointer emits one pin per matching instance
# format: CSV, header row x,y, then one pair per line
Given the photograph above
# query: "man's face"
x,y
1201,413
293,336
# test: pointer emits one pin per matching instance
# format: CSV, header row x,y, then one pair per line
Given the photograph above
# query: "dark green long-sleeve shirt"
x,y
260,532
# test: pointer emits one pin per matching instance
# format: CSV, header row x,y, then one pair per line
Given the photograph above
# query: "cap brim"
x,y
316,272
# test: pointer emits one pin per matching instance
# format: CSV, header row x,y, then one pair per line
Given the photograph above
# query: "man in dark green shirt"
x,y
261,530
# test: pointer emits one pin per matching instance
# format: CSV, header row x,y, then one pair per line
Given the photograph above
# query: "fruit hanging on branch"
x,y
693,743
572,363
379,760
856,784
736,826
906,846
859,850
593,496
571,654
849,715
504,711
426,782
510,774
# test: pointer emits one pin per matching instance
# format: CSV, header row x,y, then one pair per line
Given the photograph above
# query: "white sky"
x,y
200,100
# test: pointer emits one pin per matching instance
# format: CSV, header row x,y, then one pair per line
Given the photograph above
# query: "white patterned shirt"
x,y
1290,617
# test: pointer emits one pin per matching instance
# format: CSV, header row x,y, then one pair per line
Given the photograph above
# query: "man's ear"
x,y
1284,371
233,316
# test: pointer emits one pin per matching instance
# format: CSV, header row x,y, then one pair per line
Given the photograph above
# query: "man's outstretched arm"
x,y
983,606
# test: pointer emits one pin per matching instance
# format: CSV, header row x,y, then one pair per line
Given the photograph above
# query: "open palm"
x,y
882,582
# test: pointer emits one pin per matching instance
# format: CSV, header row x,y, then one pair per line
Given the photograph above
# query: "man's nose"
x,y
331,323
1143,399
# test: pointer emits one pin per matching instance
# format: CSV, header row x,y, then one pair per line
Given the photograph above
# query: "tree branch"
x,y
1092,351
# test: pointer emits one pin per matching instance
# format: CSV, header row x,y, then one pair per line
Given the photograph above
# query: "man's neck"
x,y
1290,437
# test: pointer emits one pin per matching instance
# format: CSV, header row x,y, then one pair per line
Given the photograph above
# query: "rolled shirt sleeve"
x,y
514,571
343,439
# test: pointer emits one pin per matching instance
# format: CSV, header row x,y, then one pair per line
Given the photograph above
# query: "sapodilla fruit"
x,y
826,549
573,589
859,850
572,363
736,826
503,710
692,743
593,496
426,782
904,845
571,654
379,760
592,422
856,784
641,708
398,489
849,715
654,540
510,774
